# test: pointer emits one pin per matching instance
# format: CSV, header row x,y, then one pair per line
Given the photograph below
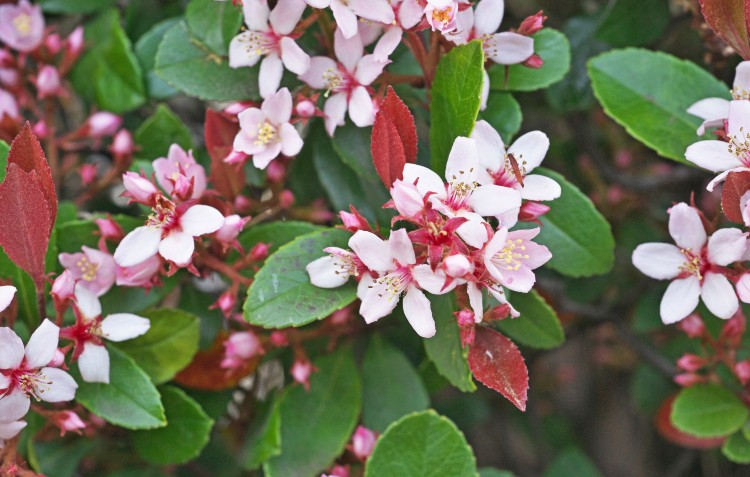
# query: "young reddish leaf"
x,y
219,133
25,221
727,19
669,432
26,151
394,138
496,362
206,374
735,186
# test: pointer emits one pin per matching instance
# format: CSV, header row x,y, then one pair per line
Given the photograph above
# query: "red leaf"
x,y
26,152
497,363
219,134
205,372
727,19
735,186
394,138
25,221
676,436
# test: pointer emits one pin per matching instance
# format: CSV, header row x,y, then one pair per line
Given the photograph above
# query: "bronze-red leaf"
x,y
219,134
727,19
496,362
735,186
394,138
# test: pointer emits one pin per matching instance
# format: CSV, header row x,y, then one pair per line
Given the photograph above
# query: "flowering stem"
x,y
415,45
219,266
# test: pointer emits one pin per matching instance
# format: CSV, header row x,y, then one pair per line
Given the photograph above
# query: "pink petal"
x,y
93,363
530,149
335,110
278,107
375,10
719,296
269,78
294,58
373,251
62,388
509,48
410,13
401,247
11,349
201,219
124,326
325,272
537,187
348,49
87,303
680,299
9,430
7,293
712,155
291,142
361,110
261,159
418,312
177,247
369,68
256,15
14,406
488,16
726,246
42,345
240,53
521,280
489,146
386,46
314,76
286,14
138,246
686,227
475,300
345,18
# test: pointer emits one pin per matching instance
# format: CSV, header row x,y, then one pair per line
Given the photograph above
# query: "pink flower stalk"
x,y
8,105
139,189
102,124
139,276
7,292
179,174
21,26
266,132
239,348
170,231
91,269
345,12
268,35
363,442
90,330
68,421
346,80
469,193
695,265
714,111
24,373
511,257
48,82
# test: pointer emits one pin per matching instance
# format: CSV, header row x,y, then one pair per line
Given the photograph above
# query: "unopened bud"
x,y
109,229
306,108
138,188
40,129
692,326
532,24
499,312
88,174
68,421
8,105
53,43
75,42
236,157
690,362
279,339
742,370
340,317
301,371
286,199
122,143
240,347
363,442
58,359
103,124
734,328
236,108
276,171
688,379
259,252
457,265
534,61
531,211
63,286
233,225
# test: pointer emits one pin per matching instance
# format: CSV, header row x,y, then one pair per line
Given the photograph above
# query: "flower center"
x,y
345,265
260,43
31,381
461,187
163,215
88,269
740,93
333,80
266,134
395,283
739,146
442,16
692,265
511,256
22,24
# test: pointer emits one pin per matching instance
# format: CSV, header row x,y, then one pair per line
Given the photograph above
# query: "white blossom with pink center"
x,y
334,270
714,111
695,265
345,12
266,132
21,26
511,257
179,174
92,269
469,192
346,82
170,231
268,34
24,373
408,14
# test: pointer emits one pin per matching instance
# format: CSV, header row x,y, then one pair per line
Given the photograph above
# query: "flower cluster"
x,y
458,235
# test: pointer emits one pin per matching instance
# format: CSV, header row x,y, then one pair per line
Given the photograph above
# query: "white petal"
x,y
369,68
401,247
335,110
686,227
680,299
418,312
711,155
661,261
472,231
489,145
386,45
200,220
742,76
325,273
530,149
410,13
291,142
124,326
426,180
94,363
286,14
431,281
364,284
490,200
348,50
373,251
63,386
488,16
42,345
463,161
294,58
719,296
475,300
6,296
240,54
378,302
256,15
345,18
138,246
536,187
726,246
88,304
14,406
314,76
277,107
361,110
11,349
9,430
738,122
375,10
177,247
510,48
710,109
269,77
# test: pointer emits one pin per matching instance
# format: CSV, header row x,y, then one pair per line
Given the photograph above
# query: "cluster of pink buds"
x,y
451,245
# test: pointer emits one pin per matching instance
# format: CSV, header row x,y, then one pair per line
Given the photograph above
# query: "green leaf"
x,y
708,410
648,93
404,393
145,50
275,233
538,326
182,439
577,234
282,295
188,65
422,445
74,6
553,48
169,345
634,22
456,97
737,448
504,114
130,400
160,131
109,73
25,290
572,461
444,349
213,23
490,472
264,437
61,459
78,232
316,424
4,149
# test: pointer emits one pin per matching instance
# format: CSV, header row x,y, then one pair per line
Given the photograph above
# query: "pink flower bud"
x,y
40,129
233,225
8,105
306,108
68,421
363,442
138,188
340,317
109,229
734,328
103,124
337,471
240,347
457,265
688,379
88,174
53,43
692,326
286,199
182,187
301,371
236,108
500,312
276,171
63,286
9,77
465,317
534,61
75,42
242,204
690,362
226,302
531,211
279,339
122,143
259,252
532,24
742,370
58,359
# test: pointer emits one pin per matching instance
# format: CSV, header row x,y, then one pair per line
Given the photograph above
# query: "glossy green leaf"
x,y
405,393
737,448
275,233
263,439
553,48
213,23
130,400
708,410
74,6
634,22
316,424
577,234
145,50
188,65
282,295
422,445
159,132
182,439
572,461
168,346
538,326
59,458
504,114
28,310
649,97
444,349
456,97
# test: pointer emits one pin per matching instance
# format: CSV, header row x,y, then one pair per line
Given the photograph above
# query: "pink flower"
x,y
139,189
48,82
21,26
8,105
90,330
239,348
178,168
268,35
25,373
103,124
694,265
335,269
140,275
92,269
346,80
441,15
122,143
170,232
511,257
7,292
714,111
266,132
346,12
363,442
